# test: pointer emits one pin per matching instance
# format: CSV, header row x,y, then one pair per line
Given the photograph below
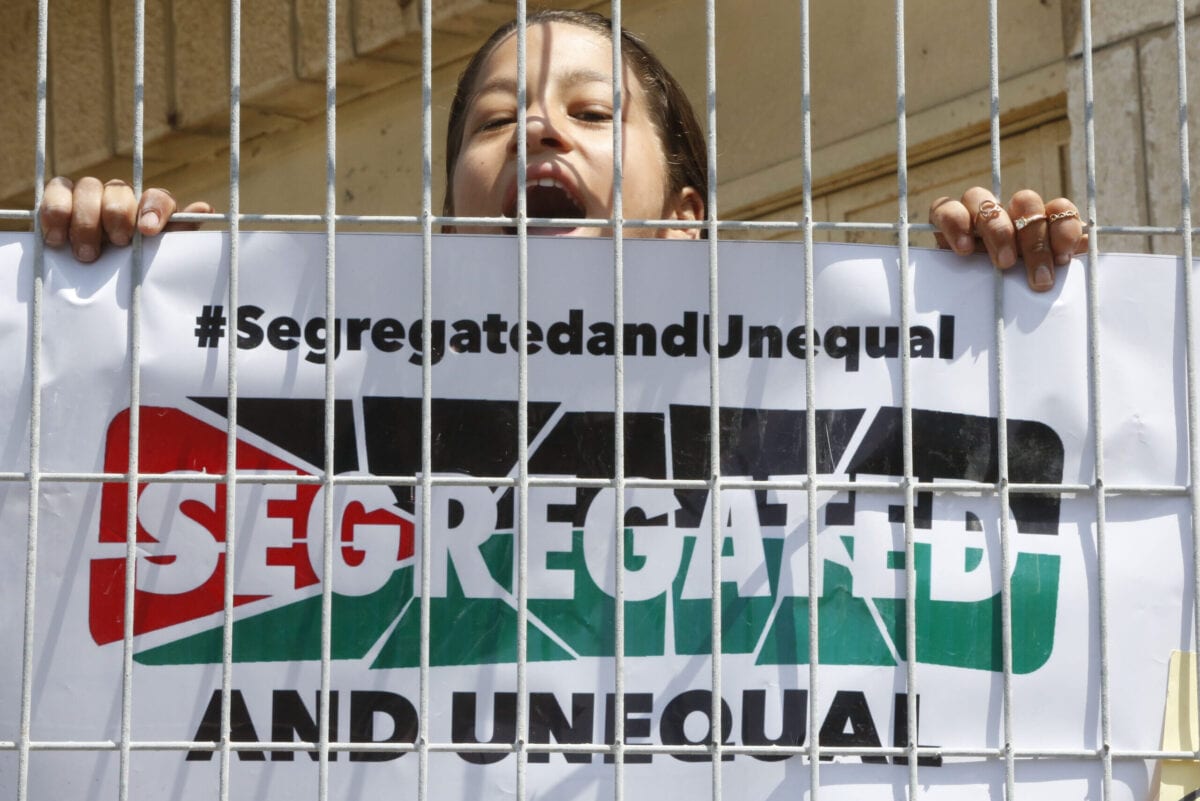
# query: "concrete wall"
x,y
186,98
854,101
1136,92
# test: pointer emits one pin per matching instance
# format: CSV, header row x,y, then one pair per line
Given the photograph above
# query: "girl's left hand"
x,y
88,214
1045,235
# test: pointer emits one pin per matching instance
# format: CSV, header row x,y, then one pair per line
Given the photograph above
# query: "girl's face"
x,y
569,140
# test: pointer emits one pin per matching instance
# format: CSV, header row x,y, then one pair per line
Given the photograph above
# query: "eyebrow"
x,y
575,77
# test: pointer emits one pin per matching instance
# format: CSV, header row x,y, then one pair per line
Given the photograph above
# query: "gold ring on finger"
x,y
1063,215
989,210
1021,222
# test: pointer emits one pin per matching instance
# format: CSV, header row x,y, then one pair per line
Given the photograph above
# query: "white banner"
x,y
765,677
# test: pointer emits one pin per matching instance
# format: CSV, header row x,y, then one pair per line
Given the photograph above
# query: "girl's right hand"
x,y
1045,234
88,214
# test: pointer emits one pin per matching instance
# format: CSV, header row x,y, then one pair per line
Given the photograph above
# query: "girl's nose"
x,y
542,133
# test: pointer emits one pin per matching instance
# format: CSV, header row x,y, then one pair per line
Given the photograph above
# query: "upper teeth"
x,y
547,182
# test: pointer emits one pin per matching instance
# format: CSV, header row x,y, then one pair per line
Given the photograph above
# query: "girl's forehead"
x,y
559,56
552,49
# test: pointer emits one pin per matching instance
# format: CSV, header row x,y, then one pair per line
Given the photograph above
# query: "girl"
x,y
569,130
568,173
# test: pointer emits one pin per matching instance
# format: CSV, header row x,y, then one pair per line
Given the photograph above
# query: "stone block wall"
x,y
187,87
90,94
1136,117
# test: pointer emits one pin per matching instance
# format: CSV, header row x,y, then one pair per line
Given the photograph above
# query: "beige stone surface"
x,y
80,81
311,48
379,23
472,18
200,61
460,26
1120,177
1113,20
18,96
758,90
853,65
1028,158
300,99
157,102
378,159
1161,100
933,134
268,55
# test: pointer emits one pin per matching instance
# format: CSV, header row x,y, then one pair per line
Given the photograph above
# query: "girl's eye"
x,y
495,123
594,114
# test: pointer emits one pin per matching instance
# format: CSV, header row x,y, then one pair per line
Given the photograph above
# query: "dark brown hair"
x,y
670,111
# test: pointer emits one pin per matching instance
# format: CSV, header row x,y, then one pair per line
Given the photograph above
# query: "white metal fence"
x,y
1010,754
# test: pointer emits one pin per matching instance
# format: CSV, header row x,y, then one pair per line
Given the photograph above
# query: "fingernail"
x,y
54,238
1005,257
1062,259
149,218
965,244
1043,279
85,253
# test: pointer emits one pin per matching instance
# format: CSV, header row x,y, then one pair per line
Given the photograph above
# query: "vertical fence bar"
x,y
1001,389
618,230
135,402
35,407
426,388
810,409
910,573
994,93
1193,387
1094,393
231,392
714,367
522,494
327,485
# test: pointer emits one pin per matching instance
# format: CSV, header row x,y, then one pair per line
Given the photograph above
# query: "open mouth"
x,y
548,197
